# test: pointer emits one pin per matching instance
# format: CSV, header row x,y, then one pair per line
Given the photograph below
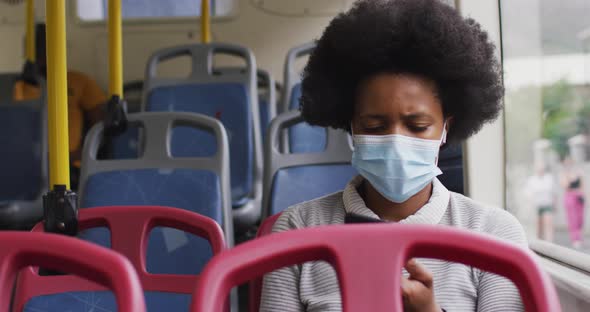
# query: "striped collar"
x,y
431,213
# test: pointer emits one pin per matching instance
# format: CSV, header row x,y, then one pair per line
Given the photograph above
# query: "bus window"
x,y
97,10
546,47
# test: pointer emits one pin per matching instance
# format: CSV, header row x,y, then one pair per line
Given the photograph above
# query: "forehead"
x,y
387,94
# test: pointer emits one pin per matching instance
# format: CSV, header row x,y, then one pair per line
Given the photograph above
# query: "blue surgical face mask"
x,y
397,166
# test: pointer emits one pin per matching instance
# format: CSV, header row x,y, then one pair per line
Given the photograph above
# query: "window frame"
x,y
154,20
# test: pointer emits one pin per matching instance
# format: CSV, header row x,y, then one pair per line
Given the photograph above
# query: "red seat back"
x,y
256,284
94,263
373,254
130,227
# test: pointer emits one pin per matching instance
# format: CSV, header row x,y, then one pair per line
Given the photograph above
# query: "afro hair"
x,y
422,37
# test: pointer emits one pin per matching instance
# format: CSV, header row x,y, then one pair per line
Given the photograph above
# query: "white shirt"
x,y
541,189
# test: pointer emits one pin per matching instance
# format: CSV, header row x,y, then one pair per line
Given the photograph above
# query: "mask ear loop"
x,y
443,140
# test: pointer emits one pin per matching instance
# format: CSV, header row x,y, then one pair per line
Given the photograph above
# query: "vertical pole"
x,y
57,95
30,39
60,205
115,49
205,21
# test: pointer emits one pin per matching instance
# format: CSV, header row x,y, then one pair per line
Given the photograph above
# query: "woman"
x,y
404,77
573,200
540,189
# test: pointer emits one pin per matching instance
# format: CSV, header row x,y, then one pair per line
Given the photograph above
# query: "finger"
x,y
419,272
407,289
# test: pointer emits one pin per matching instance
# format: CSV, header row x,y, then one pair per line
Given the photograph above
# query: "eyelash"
x,y
374,129
418,129
378,129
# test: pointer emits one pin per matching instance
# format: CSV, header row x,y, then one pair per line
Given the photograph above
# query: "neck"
x,y
390,211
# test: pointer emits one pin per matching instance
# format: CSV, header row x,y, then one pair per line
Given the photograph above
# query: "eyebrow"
x,y
373,116
417,116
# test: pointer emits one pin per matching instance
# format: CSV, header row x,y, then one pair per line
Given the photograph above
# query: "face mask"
x,y
397,166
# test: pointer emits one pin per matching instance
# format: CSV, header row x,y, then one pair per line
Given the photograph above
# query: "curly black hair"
x,y
422,37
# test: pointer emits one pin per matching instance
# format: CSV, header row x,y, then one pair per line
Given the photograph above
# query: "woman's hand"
x,y
417,290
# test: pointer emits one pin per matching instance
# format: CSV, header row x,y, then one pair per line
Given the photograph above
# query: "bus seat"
x,y
94,265
302,138
256,284
23,162
231,98
294,178
129,228
156,178
358,255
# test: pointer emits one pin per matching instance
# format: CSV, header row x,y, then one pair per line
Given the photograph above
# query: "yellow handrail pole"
x,y
30,40
57,94
115,49
205,21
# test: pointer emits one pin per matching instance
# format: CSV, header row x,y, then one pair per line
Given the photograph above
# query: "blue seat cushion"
x,y
304,138
265,117
104,301
126,145
299,184
20,160
228,102
169,251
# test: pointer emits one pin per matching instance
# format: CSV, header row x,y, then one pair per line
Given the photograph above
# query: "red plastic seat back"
x,y
130,227
373,254
256,284
94,263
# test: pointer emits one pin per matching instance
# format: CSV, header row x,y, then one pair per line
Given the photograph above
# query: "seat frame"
x,y
292,76
92,264
130,227
358,255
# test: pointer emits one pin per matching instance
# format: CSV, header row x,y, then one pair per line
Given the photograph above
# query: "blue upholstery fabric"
x,y
304,138
192,142
451,164
228,102
103,301
299,184
172,251
169,251
194,190
265,118
295,95
74,302
20,160
7,82
126,145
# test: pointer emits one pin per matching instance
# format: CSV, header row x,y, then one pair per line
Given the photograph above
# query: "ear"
x,y
449,123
